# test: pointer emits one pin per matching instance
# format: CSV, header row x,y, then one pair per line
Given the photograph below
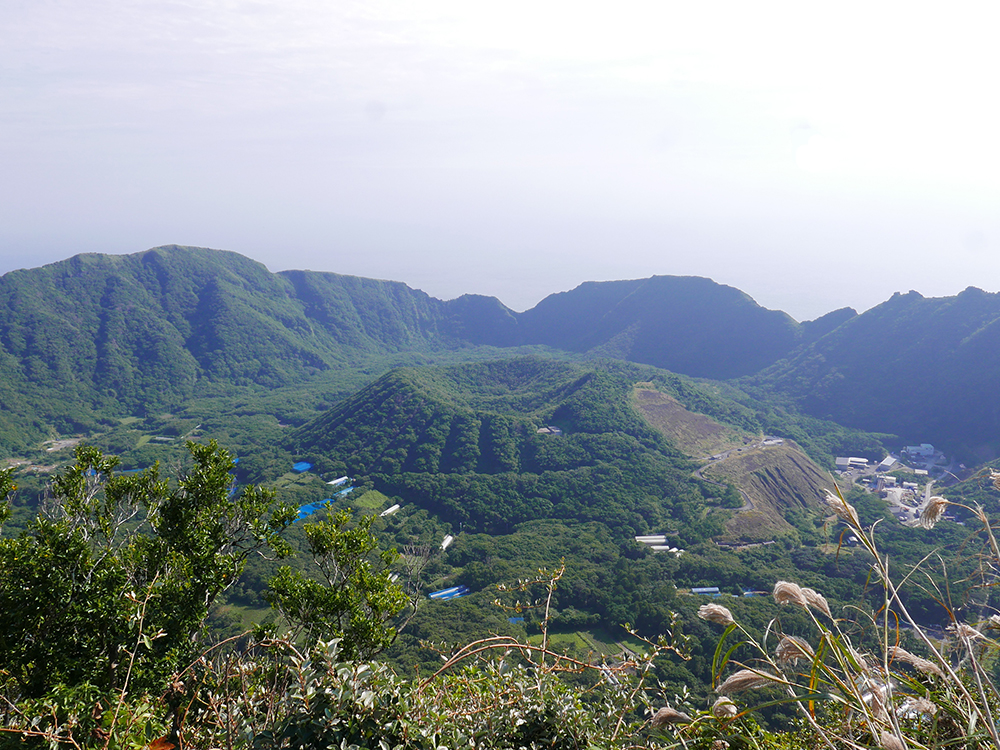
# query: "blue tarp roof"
x,y
309,508
302,466
445,594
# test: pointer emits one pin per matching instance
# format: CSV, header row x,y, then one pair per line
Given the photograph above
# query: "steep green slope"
x,y
99,336
925,368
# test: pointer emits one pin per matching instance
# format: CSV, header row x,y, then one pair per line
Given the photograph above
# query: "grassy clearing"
x,y
599,642
695,434
373,500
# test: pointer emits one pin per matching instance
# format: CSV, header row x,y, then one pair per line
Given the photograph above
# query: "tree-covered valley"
x,y
480,446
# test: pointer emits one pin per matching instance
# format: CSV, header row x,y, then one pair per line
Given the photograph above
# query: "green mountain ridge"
x,y
924,368
109,335
100,337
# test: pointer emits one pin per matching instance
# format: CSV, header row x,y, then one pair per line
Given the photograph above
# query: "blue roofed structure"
x,y
445,594
301,466
309,508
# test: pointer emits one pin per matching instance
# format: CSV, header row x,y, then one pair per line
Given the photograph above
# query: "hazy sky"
x,y
815,155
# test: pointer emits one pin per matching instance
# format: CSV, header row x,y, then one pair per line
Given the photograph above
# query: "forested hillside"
x,y
101,335
464,443
923,368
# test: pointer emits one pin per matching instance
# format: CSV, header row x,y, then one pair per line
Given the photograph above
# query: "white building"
x,y
887,464
844,463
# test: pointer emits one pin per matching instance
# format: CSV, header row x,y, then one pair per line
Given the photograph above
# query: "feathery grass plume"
x,y
668,715
844,510
914,706
891,742
724,708
786,592
745,679
994,621
715,613
932,511
966,632
815,600
791,649
921,665
877,698
995,478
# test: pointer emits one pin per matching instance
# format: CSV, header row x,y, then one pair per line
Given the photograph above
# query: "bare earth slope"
x,y
773,479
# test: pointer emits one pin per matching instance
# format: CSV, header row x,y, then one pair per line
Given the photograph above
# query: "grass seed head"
x,y
921,665
815,600
745,679
966,632
786,592
891,742
915,706
724,708
844,510
715,613
668,715
932,511
792,649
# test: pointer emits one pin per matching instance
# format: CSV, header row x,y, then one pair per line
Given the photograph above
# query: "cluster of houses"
x,y
925,453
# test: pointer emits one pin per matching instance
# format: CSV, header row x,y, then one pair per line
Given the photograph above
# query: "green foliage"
x,y
110,585
343,704
355,599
